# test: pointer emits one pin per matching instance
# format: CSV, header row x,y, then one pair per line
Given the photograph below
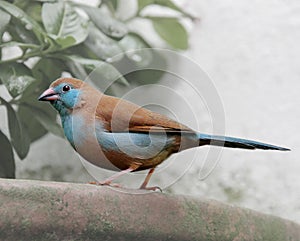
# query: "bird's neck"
x,y
67,124
62,110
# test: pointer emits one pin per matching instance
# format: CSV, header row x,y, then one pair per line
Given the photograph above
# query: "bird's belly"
x,y
123,161
91,151
123,149
117,154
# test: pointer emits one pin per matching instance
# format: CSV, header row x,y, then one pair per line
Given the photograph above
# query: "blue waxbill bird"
x,y
116,134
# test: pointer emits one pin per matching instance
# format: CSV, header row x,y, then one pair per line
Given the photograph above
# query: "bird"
x,y
115,134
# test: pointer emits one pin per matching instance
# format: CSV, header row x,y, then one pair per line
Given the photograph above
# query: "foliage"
x,y
56,37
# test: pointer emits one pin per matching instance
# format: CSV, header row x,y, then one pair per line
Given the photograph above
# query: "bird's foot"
x,y
105,183
155,188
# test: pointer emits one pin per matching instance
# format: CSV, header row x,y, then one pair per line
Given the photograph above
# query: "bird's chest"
x,y
76,130
82,136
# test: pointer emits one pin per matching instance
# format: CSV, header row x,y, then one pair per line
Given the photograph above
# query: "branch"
x,y
34,210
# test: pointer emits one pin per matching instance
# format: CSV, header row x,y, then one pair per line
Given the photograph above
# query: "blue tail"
x,y
232,142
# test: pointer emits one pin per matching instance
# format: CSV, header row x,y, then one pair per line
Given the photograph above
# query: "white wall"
x,y
251,50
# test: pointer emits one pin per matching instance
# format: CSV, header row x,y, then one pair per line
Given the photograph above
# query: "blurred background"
x,y
248,49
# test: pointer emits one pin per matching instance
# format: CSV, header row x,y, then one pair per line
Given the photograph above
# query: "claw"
x,y
155,188
114,185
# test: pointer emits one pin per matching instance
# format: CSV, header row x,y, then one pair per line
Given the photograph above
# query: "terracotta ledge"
x,y
35,210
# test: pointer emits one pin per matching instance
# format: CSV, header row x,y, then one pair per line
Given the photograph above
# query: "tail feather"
x,y
233,142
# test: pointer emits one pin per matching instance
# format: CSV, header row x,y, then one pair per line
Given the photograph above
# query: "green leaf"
x,y
34,9
150,74
47,1
165,3
4,21
136,49
45,71
81,50
47,121
105,23
32,126
19,137
103,74
114,3
43,117
143,3
171,31
33,91
16,77
104,47
7,161
20,33
21,3
77,70
63,24
30,24
48,69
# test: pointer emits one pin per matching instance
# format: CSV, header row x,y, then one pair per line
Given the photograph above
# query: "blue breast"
x,y
74,129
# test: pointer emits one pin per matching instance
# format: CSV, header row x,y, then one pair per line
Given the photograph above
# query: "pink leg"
x,y
109,180
115,176
145,183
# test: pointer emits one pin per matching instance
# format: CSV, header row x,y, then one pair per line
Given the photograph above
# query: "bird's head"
x,y
64,94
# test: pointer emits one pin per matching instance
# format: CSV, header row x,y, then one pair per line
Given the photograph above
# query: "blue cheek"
x,y
70,99
67,101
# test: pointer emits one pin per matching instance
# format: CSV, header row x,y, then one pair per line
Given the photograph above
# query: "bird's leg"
x,y
115,176
144,184
109,180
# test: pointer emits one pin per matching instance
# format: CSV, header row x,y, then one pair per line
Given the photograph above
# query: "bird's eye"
x,y
66,88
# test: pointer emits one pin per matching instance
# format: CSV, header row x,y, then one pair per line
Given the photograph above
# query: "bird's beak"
x,y
49,95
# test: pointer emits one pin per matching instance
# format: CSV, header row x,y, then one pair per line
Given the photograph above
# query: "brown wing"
x,y
119,115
